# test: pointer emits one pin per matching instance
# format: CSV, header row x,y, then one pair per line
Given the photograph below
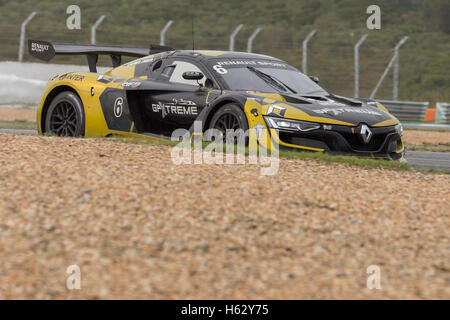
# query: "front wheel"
x,y
230,119
65,116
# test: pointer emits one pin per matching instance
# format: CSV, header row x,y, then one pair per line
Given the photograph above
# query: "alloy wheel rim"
x,y
226,122
63,121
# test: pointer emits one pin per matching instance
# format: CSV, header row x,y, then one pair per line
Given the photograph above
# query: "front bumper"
x,y
385,142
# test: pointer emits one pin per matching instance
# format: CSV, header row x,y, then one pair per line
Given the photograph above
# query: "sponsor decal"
x,y
259,100
72,76
267,63
177,107
107,79
337,111
118,107
329,103
37,47
131,84
219,67
271,64
104,79
276,111
136,62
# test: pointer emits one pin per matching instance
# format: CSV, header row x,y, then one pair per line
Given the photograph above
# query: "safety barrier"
x,y
443,112
405,110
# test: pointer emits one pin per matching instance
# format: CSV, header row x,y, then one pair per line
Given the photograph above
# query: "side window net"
x,y
182,67
167,72
156,65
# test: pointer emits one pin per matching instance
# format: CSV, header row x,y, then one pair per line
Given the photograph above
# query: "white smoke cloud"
x,y
16,90
22,84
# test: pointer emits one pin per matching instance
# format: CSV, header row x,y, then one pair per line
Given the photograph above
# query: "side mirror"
x,y
315,79
193,75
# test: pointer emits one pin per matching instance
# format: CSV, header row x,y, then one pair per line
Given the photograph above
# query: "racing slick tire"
x,y
65,116
230,117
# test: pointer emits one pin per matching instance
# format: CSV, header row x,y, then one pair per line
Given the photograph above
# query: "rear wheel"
x,y
65,116
228,119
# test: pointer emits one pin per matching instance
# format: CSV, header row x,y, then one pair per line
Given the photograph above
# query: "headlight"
x,y
291,125
399,129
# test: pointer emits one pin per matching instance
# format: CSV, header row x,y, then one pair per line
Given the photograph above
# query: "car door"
x,y
178,108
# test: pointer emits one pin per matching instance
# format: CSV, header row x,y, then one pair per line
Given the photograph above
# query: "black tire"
x,y
65,116
229,117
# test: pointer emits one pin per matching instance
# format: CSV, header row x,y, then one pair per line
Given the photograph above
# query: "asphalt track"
x,y
429,160
424,160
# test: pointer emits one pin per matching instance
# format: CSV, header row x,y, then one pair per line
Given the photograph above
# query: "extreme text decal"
x,y
177,106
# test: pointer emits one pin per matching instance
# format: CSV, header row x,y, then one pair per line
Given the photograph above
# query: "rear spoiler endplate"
x,y
46,51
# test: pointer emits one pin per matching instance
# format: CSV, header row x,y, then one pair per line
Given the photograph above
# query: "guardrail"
x,y
443,112
405,110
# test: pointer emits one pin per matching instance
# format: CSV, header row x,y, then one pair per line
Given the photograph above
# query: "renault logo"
x,y
365,133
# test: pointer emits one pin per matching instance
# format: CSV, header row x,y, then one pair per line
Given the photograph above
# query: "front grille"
x,y
356,143
341,139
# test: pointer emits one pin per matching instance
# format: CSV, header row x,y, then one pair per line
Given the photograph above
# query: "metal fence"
x,y
352,65
341,66
405,110
443,113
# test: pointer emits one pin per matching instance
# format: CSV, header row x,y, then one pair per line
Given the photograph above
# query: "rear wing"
x,y
46,51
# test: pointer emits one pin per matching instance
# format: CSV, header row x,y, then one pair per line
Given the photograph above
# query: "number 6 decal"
x,y
219,69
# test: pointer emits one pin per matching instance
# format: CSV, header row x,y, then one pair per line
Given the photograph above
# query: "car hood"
x,y
330,108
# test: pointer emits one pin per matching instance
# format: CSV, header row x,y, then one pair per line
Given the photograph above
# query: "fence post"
x,y
442,113
252,37
94,29
404,110
356,54
233,35
396,67
162,35
305,51
397,47
22,35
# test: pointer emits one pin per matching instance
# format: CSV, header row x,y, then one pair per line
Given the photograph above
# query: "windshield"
x,y
239,74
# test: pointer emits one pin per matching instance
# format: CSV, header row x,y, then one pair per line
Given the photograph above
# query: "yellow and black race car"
x,y
168,89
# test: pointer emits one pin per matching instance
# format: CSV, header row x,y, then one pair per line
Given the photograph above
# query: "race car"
x,y
166,89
